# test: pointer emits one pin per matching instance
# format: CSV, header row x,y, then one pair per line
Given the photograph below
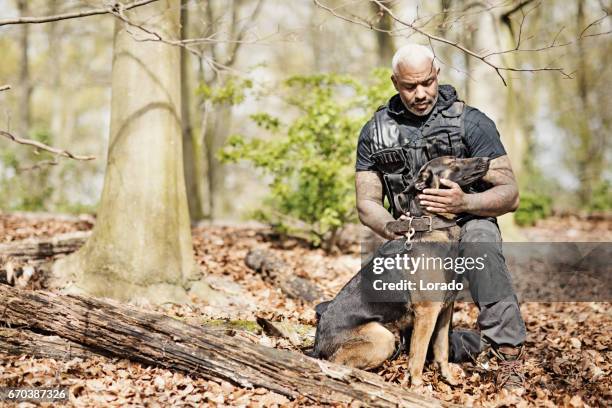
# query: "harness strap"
x,y
395,182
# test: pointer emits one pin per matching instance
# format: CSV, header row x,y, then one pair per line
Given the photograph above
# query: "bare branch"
x,y
39,165
42,146
5,88
599,20
241,34
78,14
435,38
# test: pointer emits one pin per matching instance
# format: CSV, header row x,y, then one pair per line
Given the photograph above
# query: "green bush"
x,y
533,207
601,198
311,159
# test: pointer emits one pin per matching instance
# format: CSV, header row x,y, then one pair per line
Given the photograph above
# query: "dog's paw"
x,y
416,382
452,374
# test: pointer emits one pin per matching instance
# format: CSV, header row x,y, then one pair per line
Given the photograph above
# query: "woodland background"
x,y
554,127
254,106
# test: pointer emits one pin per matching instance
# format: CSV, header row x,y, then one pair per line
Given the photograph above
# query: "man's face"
x,y
417,85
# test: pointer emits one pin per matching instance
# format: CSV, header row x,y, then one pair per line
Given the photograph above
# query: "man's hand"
x,y
501,198
445,200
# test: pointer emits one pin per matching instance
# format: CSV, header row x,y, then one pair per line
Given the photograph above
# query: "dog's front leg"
x,y
441,345
425,316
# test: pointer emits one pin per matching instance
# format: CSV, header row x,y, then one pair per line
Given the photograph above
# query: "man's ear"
x,y
394,82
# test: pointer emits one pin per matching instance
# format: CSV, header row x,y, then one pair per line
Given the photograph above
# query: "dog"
x,y
360,331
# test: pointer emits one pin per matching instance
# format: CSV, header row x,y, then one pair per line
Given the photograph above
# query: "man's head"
x,y
415,77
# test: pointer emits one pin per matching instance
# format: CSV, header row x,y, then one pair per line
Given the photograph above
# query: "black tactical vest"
x,y
399,155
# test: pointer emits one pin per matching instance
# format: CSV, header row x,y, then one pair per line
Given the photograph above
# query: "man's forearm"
x,y
496,201
374,216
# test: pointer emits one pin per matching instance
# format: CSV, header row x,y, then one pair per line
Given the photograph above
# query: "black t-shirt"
x,y
481,137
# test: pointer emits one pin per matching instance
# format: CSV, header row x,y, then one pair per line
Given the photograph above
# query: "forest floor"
x,y
568,350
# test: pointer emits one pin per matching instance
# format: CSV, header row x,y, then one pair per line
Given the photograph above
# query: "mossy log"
x,y
150,338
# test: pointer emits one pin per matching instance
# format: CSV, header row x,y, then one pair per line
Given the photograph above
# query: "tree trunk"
x,y
386,48
587,159
141,244
498,101
218,130
25,85
190,148
158,340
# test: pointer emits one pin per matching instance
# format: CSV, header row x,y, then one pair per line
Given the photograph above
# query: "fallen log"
x,y
277,272
34,249
150,338
19,342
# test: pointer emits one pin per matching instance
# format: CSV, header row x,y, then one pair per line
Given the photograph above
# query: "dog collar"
x,y
419,224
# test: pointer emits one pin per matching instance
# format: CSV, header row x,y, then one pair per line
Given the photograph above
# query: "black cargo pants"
x,y
500,320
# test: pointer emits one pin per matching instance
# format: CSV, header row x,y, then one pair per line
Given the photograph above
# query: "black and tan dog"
x,y
357,329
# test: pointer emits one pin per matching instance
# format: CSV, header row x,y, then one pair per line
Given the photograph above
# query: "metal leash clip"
x,y
409,235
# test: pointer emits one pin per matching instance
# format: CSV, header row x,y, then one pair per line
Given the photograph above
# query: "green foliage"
x,y
232,91
533,207
75,208
601,198
311,158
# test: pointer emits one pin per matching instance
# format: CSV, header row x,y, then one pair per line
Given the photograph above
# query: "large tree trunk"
x,y
141,244
159,340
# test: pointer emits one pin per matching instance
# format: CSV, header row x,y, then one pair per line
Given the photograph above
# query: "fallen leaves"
x,y
568,350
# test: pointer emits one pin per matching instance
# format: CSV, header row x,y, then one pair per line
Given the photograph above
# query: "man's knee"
x,y
480,230
481,240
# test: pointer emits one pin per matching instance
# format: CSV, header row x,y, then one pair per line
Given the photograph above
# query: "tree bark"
x,y
19,342
155,339
277,272
497,101
386,47
219,124
35,249
190,148
141,244
25,85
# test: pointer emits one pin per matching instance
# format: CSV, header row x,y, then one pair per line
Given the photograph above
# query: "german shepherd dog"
x,y
357,331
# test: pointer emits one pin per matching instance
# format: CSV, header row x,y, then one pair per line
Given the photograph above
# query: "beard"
x,y
430,105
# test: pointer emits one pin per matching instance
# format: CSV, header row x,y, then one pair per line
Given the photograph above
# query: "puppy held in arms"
x,y
358,328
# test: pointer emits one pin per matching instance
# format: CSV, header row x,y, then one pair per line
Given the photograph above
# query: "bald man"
x,y
421,122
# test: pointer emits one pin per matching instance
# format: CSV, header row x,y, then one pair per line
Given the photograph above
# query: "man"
x,y
429,121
